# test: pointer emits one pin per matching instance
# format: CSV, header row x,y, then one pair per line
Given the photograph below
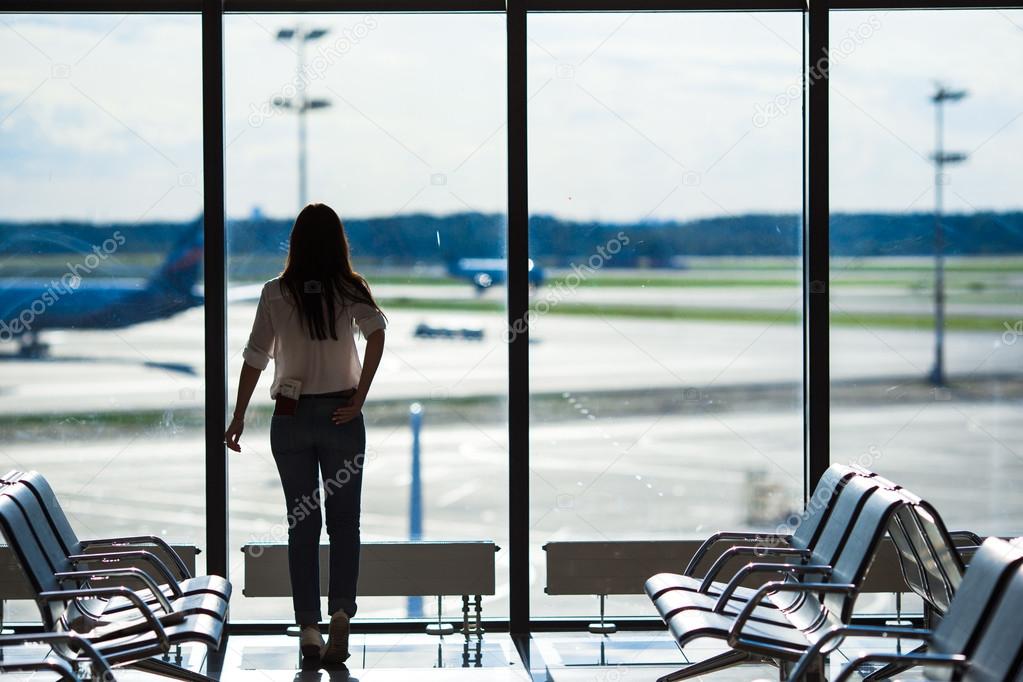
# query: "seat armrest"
x,y
140,539
733,552
141,576
107,592
58,666
954,661
807,659
116,557
750,569
724,536
100,667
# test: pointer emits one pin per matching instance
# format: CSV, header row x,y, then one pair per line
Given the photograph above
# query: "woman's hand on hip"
x,y
350,411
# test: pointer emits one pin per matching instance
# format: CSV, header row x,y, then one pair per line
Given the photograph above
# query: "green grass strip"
x,y
844,319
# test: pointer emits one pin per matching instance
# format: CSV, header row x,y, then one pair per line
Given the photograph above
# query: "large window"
x,y
666,363
101,340
405,138
666,187
933,406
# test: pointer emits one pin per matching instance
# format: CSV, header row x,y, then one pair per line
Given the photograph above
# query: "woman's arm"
x,y
246,385
371,361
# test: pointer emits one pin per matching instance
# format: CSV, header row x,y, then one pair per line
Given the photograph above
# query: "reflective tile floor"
x,y
551,657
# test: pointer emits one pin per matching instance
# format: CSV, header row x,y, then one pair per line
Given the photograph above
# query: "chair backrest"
x,y
912,556
32,558
841,519
860,547
977,597
996,657
945,553
56,517
42,531
820,505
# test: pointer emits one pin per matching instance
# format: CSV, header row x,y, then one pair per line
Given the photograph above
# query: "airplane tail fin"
x,y
181,270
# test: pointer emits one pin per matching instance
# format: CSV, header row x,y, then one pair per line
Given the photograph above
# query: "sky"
x,y
631,116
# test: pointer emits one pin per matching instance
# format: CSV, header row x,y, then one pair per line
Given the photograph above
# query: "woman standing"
x,y
304,321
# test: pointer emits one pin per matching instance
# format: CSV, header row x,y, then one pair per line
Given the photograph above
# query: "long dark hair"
x,y
318,272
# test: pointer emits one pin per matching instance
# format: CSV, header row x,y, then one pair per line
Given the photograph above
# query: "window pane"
x,y
408,145
952,439
665,195
101,233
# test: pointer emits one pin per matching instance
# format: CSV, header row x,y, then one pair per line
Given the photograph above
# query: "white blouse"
x,y
323,366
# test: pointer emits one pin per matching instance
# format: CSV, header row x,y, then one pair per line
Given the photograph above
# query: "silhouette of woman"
x,y
305,321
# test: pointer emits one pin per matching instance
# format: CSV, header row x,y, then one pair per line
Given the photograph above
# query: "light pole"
x,y
941,158
300,104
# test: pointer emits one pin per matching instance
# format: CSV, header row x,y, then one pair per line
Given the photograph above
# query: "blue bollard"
x,y
415,507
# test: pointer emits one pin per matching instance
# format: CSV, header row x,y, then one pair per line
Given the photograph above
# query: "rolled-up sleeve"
x,y
260,347
368,318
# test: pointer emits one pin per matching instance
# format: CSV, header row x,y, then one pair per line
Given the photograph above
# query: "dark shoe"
x,y
310,641
336,649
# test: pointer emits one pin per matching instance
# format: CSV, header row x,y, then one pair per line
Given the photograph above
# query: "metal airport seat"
x,y
980,639
928,556
69,571
175,584
133,642
800,543
930,562
100,669
826,601
731,597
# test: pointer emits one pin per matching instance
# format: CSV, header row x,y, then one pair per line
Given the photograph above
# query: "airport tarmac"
x,y
159,365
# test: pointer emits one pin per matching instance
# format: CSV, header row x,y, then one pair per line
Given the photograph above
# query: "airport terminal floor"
x,y
568,657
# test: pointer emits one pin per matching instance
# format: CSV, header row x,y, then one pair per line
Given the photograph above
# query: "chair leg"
x,y
712,664
168,669
815,673
893,669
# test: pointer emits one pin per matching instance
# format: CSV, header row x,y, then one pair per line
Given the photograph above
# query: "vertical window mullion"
x,y
518,333
214,276
816,377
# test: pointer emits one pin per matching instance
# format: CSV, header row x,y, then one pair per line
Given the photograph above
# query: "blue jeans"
x,y
305,445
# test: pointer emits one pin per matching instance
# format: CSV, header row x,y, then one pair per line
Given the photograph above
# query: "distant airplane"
x,y
486,272
77,300
426,331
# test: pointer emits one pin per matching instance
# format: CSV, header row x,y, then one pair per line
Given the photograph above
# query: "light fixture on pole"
x,y
941,158
300,103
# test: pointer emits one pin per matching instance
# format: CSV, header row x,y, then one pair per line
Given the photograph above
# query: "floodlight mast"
x,y
300,104
941,158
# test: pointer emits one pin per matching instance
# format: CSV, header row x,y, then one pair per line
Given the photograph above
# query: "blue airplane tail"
x,y
183,266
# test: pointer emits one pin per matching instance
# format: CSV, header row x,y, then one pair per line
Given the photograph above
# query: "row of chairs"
x,y
802,615
90,625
